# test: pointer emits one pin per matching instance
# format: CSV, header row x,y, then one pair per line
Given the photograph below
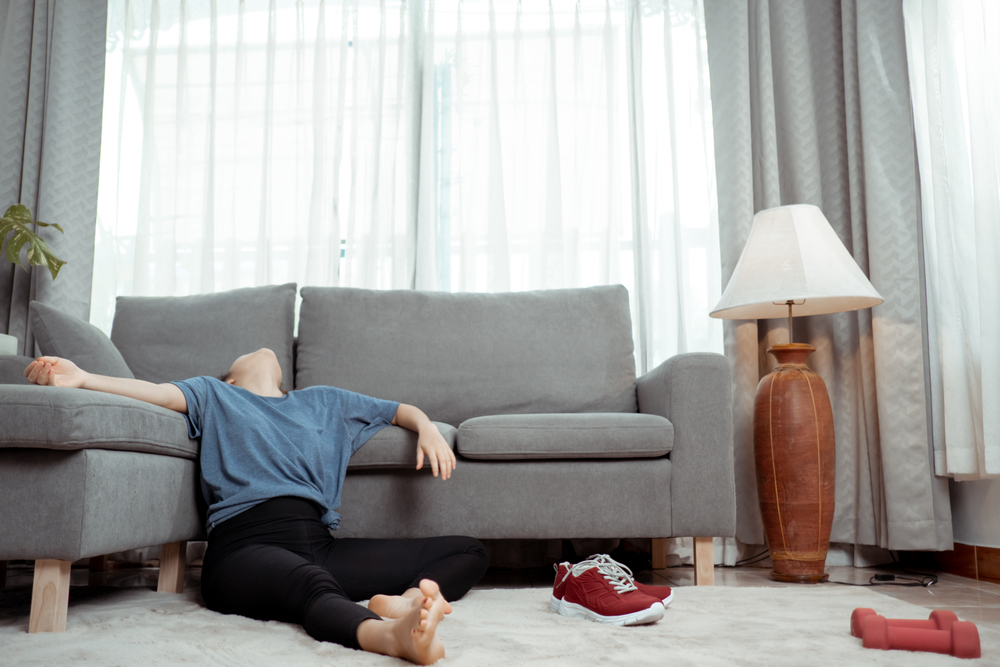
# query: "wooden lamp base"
x,y
795,458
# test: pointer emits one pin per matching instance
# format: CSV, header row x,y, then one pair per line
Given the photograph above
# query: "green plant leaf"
x,y
16,223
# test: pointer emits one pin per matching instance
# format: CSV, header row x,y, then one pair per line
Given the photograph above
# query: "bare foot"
x,y
417,631
397,606
390,606
412,636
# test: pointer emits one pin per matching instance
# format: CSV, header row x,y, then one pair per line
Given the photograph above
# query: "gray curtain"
x,y
811,105
52,83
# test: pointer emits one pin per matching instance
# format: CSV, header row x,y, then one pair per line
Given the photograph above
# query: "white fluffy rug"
x,y
703,626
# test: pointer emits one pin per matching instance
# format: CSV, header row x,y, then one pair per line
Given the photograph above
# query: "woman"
x,y
272,468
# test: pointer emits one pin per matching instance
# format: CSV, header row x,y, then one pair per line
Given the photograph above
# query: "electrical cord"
x,y
753,559
919,574
920,579
892,580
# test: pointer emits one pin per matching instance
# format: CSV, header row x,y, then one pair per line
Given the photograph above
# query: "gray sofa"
x,y
535,391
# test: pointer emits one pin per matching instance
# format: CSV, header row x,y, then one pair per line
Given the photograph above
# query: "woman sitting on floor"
x,y
272,469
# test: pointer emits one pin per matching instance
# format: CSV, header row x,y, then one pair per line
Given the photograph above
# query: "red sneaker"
x,y
662,593
559,587
602,593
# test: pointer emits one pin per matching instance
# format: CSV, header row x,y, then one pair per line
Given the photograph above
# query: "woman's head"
x,y
258,372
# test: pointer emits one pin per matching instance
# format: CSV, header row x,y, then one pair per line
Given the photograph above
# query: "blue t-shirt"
x,y
258,447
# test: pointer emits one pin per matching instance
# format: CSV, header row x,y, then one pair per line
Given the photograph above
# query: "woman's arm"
x,y
430,443
56,372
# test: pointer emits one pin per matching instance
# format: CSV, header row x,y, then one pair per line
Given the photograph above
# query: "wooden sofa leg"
x,y
173,559
659,555
704,562
49,596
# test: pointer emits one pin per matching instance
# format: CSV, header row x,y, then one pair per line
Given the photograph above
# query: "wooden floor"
x,y
972,600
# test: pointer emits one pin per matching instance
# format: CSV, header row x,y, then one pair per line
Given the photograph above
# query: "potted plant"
x,y
16,232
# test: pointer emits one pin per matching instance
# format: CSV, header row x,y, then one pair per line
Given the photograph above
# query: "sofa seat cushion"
x,y
394,447
565,436
58,418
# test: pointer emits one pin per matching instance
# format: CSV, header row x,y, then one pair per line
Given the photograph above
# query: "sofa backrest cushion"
x,y
62,335
458,356
174,338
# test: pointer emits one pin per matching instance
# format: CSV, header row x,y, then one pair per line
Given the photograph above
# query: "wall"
x,y
975,512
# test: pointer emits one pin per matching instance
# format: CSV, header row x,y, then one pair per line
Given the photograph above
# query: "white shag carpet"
x,y
703,626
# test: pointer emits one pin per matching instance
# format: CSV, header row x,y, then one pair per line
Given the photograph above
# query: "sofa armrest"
x,y
694,391
61,418
12,369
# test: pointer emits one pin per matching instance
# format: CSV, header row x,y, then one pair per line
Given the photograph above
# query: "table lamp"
x,y
793,258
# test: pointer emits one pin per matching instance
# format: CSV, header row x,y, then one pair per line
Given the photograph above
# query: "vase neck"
x,y
792,354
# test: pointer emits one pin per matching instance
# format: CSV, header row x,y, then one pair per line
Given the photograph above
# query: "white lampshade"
x,y
794,255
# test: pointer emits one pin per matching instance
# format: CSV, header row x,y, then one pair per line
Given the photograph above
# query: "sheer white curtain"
x,y
954,61
458,145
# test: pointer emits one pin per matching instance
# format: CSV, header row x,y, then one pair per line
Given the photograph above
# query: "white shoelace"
x,y
611,562
616,573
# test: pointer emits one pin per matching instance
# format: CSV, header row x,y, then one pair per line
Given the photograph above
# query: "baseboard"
x,y
979,563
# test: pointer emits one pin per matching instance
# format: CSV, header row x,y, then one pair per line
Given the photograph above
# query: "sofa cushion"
x,y
62,335
565,436
59,418
458,356
394,447
175,338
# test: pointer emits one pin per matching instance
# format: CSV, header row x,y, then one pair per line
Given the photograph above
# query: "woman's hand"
x,y
55,372
432,445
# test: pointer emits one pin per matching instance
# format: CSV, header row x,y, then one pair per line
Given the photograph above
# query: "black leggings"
x,y
277,561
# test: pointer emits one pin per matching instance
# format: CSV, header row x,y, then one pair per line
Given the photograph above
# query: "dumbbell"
x,y
960,640
940,619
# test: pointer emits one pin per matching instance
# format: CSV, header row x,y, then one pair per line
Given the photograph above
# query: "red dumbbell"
x,y
961,640
940,619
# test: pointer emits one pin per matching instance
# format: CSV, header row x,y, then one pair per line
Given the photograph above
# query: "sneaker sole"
x,y
555,604
642,617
